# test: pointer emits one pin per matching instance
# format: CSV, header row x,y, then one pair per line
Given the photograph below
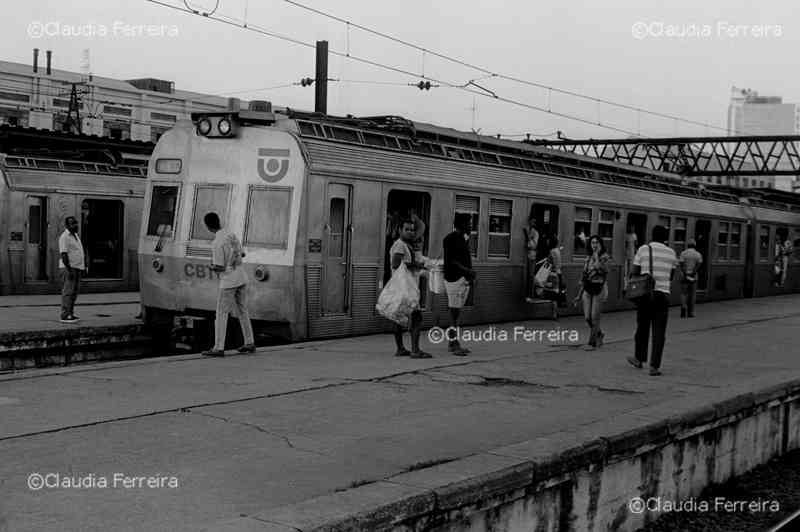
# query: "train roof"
x,y
400,134
29,141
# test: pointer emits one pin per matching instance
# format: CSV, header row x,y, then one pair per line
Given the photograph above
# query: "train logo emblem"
x,y
272,164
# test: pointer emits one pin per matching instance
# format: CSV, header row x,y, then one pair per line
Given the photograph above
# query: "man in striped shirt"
x,y
653,310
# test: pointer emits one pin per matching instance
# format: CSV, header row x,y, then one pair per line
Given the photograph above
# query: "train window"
x,y
306,128
268,217
208,198
470,205
499,228
336,230
736,241
374,140
665,221
162,211
341,133
679,235
763,242
583,230
605,228
722,240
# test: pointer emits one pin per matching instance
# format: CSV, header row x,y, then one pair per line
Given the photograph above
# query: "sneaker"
x,y
420,354
683,312
634,362
402,352
654,372
214,353
70,319
247,348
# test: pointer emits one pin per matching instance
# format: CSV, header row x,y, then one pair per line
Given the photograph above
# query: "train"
x,y
310,196
38,192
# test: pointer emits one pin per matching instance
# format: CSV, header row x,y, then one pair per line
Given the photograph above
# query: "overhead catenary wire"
x,y
251,27
490,73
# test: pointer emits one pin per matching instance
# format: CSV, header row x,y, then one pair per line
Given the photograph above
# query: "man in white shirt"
x,y
71,266
653,310
226,259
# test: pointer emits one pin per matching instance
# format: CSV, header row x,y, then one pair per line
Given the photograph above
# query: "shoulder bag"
x,y
641,286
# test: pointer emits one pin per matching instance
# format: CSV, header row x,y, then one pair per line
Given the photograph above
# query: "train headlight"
x,y
224,126
158,266
262,274
204,126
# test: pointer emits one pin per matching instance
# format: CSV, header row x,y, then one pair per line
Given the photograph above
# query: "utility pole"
x,y
73,123
321,83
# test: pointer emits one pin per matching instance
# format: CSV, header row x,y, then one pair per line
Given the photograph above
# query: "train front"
x,y
249,172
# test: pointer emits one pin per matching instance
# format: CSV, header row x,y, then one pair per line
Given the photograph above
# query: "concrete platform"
x,y
291,437
32,335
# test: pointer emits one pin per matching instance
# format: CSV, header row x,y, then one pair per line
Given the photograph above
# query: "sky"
x,y
679,59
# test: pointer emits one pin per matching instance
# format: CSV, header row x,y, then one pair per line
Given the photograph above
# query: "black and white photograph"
x,y
421,266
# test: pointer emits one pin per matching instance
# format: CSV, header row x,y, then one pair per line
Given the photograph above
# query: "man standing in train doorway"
x,y
689,261
226,259
458,277
72,266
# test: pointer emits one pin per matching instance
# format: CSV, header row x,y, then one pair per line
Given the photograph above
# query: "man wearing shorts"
x,y
458,276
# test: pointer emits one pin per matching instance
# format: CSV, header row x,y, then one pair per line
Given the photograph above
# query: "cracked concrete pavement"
x,y
247,433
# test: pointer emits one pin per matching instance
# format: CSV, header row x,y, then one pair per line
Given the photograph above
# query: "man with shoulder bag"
x,y
649,287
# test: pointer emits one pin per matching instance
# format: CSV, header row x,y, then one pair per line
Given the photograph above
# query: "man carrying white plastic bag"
x,y
399,299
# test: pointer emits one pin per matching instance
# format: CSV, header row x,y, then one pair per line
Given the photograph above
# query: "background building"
x,y
138,109
752,114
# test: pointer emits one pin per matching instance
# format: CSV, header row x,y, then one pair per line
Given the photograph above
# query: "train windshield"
x,y
162,211
209,198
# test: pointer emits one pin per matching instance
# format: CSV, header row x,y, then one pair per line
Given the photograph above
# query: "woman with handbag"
x,y
594,291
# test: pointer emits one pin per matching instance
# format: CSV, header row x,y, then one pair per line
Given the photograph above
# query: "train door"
x,y
546,217
336,274
635,225
36,248
702,233
403,204
749,261
102,236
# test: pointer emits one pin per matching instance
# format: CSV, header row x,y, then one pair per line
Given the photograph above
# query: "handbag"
x,y
641,286
592,284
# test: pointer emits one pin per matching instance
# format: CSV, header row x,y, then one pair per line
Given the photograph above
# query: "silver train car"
x,y
37,193
310,196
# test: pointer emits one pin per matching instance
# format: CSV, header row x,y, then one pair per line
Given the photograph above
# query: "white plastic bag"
x,y
540,279
437,280
400,297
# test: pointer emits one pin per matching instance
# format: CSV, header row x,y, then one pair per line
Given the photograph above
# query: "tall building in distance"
x,y
42,97
750,113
